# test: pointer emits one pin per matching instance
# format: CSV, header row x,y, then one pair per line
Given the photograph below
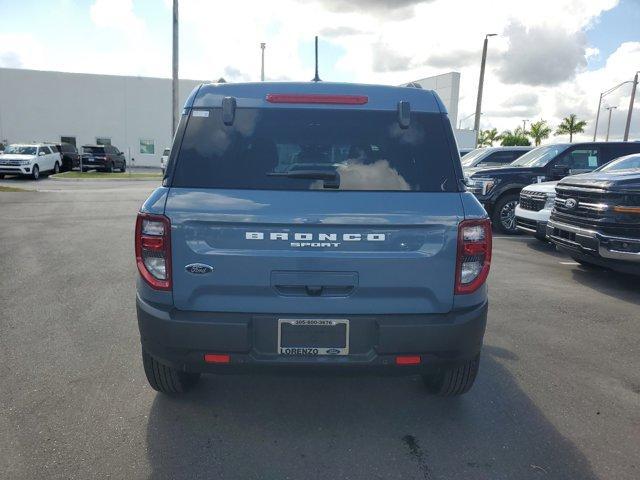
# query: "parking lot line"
x,y
569,263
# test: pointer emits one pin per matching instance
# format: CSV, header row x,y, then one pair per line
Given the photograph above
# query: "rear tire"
x,y
504,214
453,381
165,379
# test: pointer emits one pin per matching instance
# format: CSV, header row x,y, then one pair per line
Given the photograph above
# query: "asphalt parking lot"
x,y
557,397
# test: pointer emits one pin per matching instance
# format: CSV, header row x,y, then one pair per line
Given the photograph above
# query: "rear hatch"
x,y
313,211
93,155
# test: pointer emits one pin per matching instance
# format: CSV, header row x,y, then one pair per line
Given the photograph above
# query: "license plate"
x,y
310,337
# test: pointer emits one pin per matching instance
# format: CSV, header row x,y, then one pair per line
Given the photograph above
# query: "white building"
x,y
131,113
447,86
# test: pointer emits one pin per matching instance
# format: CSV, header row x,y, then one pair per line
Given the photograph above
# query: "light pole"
x,y
524,126
262,46
476,123
174,78
602,95
609,122
633,97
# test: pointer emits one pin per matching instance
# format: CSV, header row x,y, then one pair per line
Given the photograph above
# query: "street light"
x,y
609,122
262,47
524,125
174,75
602,95
633,97
476,123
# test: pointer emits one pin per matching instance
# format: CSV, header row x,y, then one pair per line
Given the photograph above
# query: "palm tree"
x,y
487,137
539,130
516,138
571,125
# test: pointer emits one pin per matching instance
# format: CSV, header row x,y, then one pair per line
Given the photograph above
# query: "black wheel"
x,y
124,166
109,168
56,168
85,170
35,173
166,379
452,381
1,176
504,214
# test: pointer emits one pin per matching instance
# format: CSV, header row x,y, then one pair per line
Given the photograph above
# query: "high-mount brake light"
x,y
317,98
474,255
153,250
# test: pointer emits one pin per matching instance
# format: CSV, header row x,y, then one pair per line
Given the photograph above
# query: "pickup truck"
x,y
596,218
498,189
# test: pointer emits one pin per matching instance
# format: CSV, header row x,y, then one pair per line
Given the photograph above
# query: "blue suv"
x,y
316,226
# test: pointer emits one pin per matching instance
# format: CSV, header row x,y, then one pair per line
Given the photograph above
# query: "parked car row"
x,y
498,188
34,159
592,212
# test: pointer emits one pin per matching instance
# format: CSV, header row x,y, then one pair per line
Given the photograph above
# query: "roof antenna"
x,y
317,77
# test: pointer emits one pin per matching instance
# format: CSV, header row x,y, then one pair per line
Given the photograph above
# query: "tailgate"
x,y
309,252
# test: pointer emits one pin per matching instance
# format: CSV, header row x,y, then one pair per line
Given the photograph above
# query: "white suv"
x,y
30,160
534,209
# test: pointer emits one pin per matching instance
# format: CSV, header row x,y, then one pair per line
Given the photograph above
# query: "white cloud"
x,y
542,55
115,14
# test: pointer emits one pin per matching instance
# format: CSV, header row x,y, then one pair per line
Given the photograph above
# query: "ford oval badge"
x,y
198,268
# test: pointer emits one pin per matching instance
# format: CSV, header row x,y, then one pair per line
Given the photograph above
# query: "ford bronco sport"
x,y
316,226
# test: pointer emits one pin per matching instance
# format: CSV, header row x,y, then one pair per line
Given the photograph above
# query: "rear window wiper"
x,y
331,177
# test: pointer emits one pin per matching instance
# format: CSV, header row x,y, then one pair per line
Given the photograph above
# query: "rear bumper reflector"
x,y
408,360
217,358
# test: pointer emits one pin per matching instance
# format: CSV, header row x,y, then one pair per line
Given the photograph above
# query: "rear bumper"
x,y
617,253
181,339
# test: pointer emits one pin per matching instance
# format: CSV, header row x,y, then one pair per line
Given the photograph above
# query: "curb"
x,y
132,178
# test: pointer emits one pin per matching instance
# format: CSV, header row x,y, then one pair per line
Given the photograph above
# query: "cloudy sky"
x,y
550,58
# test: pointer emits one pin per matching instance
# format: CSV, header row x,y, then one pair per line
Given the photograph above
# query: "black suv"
x,y
103,157
596,218
70,156
498,189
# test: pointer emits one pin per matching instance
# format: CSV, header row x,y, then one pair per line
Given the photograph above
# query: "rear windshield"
x,y
314,149
92,149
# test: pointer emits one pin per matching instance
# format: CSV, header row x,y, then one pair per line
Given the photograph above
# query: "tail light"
x,y
153,250
474,255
